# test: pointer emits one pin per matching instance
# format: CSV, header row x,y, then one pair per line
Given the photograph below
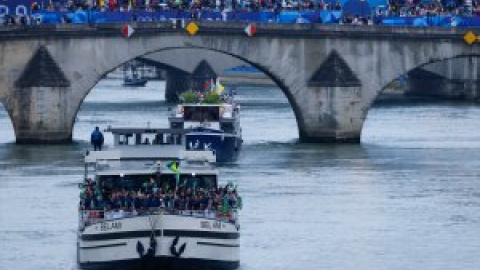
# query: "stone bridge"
x,y
331,74
452,79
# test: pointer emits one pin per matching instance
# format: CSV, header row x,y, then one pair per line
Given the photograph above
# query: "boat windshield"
x,y
110,183
201,113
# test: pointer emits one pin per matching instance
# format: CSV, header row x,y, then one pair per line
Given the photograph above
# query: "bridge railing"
x,y
266,16
285,17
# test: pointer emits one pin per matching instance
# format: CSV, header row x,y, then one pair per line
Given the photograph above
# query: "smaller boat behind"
x,y
212,125
209,123
133,76
134,81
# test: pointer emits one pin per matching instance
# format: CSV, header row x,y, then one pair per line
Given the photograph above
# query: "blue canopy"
x,y
357,8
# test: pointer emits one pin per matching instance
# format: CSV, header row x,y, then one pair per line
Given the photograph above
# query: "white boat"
x,y
213,127
167,233
193,127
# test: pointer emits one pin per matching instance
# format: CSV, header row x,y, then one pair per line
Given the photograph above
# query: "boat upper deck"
x,y
200,112
136,136
139,167
148,152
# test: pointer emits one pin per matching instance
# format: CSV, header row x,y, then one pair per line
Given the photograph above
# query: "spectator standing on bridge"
x,y
97,139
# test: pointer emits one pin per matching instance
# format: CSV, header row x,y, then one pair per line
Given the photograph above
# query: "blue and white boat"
x,y
214,127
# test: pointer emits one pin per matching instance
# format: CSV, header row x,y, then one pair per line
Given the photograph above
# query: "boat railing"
x,y
89,217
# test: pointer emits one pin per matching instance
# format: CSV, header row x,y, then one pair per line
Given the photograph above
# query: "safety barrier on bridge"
x,y
46,17
308,16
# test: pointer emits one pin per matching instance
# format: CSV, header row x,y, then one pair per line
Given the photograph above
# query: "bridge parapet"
x,y
237,28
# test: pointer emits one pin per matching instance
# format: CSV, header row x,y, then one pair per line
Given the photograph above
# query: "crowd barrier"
x,y
259,17
362,8
440,21
48,17
307,16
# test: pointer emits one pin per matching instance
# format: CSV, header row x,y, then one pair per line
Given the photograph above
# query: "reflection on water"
x,y
407,198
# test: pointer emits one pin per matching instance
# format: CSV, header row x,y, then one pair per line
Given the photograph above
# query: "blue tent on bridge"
x,y
357,8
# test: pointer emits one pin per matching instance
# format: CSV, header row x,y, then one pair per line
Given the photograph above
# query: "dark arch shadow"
x,y
436,61
277,81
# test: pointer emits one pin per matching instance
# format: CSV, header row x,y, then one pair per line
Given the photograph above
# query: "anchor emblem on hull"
x,y
151,250
173,247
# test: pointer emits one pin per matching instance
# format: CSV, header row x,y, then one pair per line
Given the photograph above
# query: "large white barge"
x,y
134,213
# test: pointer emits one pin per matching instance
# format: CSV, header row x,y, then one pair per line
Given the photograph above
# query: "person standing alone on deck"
x,y
97,139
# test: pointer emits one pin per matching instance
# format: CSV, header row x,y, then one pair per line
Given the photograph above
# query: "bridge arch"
x,y
263,69
465,57
391,79
331,74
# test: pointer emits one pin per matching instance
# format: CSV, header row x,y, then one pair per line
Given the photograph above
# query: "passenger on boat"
x,y
96,139
150,187
122,202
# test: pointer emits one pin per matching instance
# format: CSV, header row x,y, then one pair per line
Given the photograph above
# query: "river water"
x,y
408,197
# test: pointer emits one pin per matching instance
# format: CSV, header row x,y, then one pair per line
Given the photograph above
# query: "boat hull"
x,y
226,146
180,242
161,263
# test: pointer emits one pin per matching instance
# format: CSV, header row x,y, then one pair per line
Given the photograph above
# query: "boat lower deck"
x,y
159,241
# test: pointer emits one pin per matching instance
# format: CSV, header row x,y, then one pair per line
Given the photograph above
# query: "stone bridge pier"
x,y
330,74
39,100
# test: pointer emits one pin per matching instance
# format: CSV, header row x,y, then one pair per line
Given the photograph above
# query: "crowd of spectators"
x,y
128,201
393,8
405,8
156,5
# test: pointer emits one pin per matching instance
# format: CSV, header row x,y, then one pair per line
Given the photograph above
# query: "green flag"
x,y
172,166
225,206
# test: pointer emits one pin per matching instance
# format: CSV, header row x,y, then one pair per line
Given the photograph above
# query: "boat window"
x,y
148,139
227,127
158,139
198,181
201,113
109,183
124,139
